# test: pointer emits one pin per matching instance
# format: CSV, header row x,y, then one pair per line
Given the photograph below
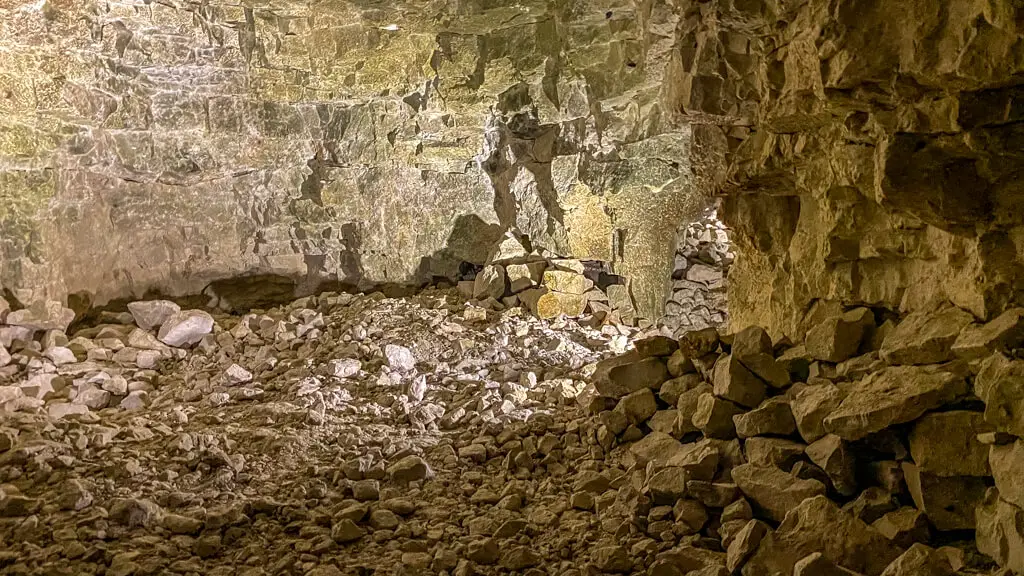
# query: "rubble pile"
x,y
867,449
703,258
549,286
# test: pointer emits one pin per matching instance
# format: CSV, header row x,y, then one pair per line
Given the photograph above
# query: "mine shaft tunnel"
x,y
550,287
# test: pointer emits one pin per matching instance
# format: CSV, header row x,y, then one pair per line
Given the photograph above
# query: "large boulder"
x,y
893,396
735,383
920,560
772,418
946,443
616,380
979,340
925,338
185,328
1007,463
839,337
818,525
999,383
949,501
772,491
1000,533
811,405
150,314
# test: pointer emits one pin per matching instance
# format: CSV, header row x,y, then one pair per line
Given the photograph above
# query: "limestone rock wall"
x,y
874,151
156,147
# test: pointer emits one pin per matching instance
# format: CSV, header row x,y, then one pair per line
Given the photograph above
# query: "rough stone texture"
x,y
949,501
893,396
1000,532
925,338
818,525
772,491
1007,463
339,142
946,444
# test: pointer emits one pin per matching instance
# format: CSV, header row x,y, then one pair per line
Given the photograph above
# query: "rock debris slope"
x,y
347,434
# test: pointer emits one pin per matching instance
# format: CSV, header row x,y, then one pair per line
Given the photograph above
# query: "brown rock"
x,y
888,474
998,384
796,361
545,303
490,282
745,543
751,341
811,406
925,338
667,421
656,346
818,525
772,491
817,565
691,515
691,559
904,526
977,341
772,417
838,338
1007,463
946,444
920,560
713,417
680,364
672,389
638,406
698,343
687,406
764,366
894,396
733,382
776,452
713,494
1000,533
620,380
949,501
834,456
872,504
667,485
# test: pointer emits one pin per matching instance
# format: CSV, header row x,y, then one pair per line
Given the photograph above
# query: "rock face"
x,y
340,143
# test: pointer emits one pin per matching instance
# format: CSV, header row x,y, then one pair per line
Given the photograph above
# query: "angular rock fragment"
x,y
523,276
946,444
410,469
699,342
811,406
638,406
490,282
999,383
745,543
185,328
150,314
925,338
622,379
672,389
838,338
893,396
564,281
776,452
818,525
751,341
733,382
680,364
833,455
714,416
977,341
656,346
1000,533
1007,462
42,315
904,527
920,560
687,406
872,504
949,502
772,418
546,304
817,565
772,491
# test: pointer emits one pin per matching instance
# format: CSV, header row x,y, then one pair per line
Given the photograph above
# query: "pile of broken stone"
x,y
702,261
866,449
547,284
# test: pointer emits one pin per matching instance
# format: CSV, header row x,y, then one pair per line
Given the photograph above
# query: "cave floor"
x,y
342,435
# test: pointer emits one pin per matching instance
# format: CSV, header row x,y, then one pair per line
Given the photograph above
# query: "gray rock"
x,y
490,282
150,314
399,358
185,328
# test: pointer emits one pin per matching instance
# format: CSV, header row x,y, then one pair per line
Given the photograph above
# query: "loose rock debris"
x,y
360,435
